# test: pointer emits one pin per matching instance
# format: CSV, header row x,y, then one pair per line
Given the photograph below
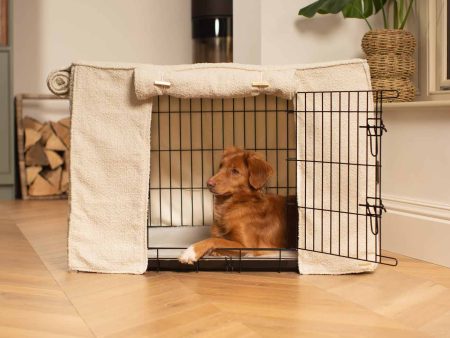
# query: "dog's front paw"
x,y
188,256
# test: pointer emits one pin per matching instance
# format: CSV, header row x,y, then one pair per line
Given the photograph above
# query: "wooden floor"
x,y
39,298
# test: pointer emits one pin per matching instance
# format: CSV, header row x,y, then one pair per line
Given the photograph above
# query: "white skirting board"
x,y
418,230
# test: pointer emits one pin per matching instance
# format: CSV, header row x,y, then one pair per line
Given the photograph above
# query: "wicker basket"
x,y
390,57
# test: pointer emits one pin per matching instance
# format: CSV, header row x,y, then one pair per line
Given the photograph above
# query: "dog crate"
x,y
145,139
340,136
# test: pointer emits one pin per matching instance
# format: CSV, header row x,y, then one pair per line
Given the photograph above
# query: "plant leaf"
x,y
378,5
324,7
311,10
359,9
408,12
368,8
395,14
401,7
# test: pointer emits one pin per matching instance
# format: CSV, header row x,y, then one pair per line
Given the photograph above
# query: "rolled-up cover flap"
x,y
212,81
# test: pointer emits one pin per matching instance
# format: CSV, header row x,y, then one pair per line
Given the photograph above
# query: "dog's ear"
x,y
259,171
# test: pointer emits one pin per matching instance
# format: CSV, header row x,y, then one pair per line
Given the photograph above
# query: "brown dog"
x,y
245,217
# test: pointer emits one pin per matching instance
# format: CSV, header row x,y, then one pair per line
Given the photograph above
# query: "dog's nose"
x,y
210,183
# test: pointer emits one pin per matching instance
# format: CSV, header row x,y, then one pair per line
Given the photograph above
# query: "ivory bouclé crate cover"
x,y
111,114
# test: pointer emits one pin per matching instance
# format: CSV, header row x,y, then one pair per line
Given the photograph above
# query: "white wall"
x,y
287,38
247,31
416,182
50,34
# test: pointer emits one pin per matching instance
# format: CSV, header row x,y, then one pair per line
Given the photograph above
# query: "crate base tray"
x,y
167,260
224,264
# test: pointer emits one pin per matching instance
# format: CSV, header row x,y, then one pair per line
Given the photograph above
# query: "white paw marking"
x,y
188,256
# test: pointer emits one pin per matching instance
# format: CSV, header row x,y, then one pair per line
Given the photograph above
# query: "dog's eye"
x,y
234,171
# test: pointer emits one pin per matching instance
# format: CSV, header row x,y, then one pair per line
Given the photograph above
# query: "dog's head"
x,y
239,171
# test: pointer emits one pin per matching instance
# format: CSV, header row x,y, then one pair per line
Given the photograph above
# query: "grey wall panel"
x,y
6,125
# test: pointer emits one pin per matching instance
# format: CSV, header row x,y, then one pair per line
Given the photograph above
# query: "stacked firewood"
x,y
47,147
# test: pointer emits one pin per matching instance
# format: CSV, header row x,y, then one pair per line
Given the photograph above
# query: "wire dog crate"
x,y
190,135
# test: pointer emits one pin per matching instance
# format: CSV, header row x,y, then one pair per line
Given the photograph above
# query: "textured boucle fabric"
x,y
109,170
339,235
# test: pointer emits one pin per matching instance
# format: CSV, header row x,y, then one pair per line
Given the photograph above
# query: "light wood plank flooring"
x,y
40,298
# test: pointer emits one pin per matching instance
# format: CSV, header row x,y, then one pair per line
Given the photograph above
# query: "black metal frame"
x,y
239,122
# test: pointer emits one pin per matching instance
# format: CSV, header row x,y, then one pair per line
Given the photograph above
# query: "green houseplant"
x,y
389,49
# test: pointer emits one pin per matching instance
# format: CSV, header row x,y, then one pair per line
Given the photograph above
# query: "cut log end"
x,y
31,123
54,160
62,132
31,137
55,143
53,177
65,122
36,156
64,186
46,132
41,187
32,173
